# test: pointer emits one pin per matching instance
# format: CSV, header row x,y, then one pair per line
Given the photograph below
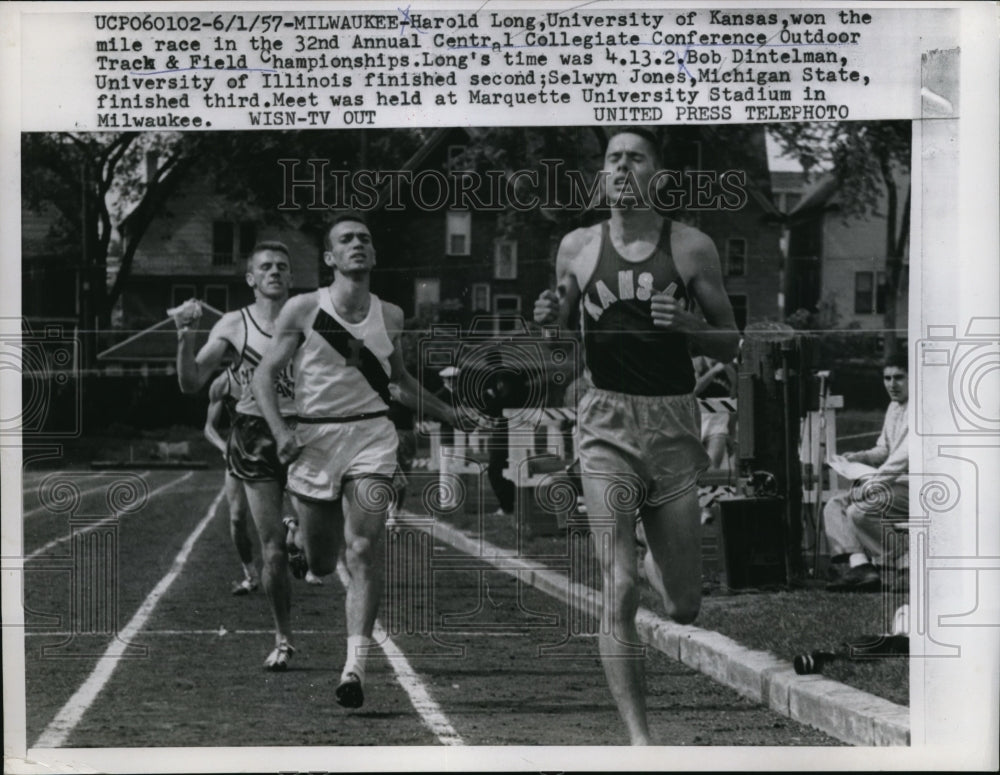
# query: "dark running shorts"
x,y
252,454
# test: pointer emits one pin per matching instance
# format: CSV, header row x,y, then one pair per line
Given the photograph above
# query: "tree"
x,y
871,161
539,150
96,181
85,176
581,149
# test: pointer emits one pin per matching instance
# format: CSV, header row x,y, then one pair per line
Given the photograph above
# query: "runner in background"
x,y
222,396
240,337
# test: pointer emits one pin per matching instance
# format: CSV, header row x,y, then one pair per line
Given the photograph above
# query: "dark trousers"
x,y
503,488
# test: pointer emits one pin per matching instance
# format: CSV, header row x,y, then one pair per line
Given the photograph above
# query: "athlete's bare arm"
x,y
697,261
575,262
291,322
194,370
410,392
216,393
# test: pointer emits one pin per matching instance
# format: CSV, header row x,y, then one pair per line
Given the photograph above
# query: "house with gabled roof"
x,y
460,265
198,250
839,260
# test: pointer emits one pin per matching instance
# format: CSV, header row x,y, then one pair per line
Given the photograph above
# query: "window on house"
x,y
180,293
231,241
869,293
736,256
505,260
480,297
864,293
506,309
458,238
426,296
217,296
881,287
248,238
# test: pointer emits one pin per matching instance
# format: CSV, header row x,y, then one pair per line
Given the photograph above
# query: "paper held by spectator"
x,y
849,469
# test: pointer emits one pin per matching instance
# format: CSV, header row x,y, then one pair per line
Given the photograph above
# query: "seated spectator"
x,y
854,529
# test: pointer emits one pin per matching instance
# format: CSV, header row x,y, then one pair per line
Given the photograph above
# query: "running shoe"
x,y
244,587
312,578
349,692
277,660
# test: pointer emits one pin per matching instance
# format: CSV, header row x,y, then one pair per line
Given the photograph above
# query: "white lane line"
x,y
430,712
42,507
65,722
62,539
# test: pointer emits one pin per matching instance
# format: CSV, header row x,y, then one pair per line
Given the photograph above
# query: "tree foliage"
x,y
99,181
84,177
540,150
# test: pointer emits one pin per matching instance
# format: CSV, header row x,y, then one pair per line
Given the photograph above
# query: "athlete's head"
x,y
895,377
348,244
269,270
630,161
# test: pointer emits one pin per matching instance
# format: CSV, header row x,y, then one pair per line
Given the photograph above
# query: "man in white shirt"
x,y
854,523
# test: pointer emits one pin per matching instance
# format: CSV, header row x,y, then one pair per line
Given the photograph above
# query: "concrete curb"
x,y
848,714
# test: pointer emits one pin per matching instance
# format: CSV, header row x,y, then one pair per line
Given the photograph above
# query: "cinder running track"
x,y
132,639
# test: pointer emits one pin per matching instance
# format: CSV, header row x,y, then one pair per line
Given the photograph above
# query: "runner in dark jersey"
x,y
631,281
647,360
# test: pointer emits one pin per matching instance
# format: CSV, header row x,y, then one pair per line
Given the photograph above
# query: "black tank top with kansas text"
x,y
624,351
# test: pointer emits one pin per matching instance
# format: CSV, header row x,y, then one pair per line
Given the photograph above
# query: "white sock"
x,y
249,571
357,654
858,558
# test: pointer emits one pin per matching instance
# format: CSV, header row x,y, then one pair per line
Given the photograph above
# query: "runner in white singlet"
x,y
342,454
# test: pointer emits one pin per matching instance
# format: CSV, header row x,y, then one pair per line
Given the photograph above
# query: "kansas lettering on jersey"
x,y
341,368
254,342
624,351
